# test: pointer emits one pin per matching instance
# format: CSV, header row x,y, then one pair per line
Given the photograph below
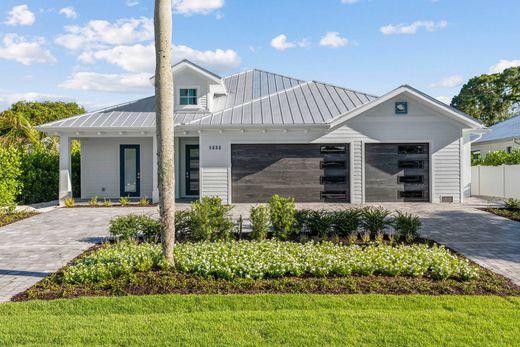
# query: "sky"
x,y
100,53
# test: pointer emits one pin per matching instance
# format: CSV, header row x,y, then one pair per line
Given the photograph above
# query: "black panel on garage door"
x,y
397,172
307,172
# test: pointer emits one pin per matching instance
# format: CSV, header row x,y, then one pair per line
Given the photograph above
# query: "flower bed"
x,y
272,259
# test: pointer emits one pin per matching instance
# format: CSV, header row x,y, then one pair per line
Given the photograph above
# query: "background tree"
x,y
43,112
164,124
16,129
491,98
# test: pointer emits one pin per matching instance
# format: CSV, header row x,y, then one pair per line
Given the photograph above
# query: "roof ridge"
x,y
257,99
267,72
349,89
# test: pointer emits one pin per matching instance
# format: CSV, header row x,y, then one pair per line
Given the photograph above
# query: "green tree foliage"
x,y
40,176
10,171
43,112
491,98
15,129
497,158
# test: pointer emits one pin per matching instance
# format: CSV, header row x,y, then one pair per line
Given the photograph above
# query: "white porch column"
x,y
155,179
65,170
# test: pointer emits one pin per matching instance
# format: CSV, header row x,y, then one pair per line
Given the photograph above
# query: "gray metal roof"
x,y
502,131
253,97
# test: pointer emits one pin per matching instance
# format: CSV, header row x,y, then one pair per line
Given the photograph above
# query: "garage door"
x,y
307,172
397,172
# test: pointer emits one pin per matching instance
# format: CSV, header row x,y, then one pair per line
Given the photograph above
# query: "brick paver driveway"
x,y
35,247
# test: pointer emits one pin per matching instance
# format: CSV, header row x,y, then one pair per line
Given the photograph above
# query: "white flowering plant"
x,y
272,259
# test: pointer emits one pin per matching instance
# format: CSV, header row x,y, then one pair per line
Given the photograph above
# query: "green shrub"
x,y
144,201
500,157
346,222
259,222
208,220
512,204
41,174
124,201
282,215
375,220
134,225
407,226
10,171
69,202
320,223
107,202
93,201
123,258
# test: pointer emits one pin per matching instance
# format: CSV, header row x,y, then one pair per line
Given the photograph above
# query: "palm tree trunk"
x,y
164,124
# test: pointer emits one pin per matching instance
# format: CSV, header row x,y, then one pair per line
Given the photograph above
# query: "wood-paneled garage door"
x,y
307,172
397,172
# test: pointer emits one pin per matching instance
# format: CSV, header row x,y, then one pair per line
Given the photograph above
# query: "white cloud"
x,y
281,43
69,12
132,3
349,2
444,99
502,65
99,33
17,48
333,39
11,98
141,58
188,7
448,82
20,15
402,28
93,81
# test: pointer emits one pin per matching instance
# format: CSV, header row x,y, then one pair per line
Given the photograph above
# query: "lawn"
x,y
306,320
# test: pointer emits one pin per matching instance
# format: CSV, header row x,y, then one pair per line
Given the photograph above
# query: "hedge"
x,y
497,158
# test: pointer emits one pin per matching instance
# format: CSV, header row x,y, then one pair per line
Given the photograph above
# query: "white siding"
x,y
486,147
215,182
100,166
447,172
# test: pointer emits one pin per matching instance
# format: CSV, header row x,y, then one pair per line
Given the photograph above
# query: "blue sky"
x,y
100,53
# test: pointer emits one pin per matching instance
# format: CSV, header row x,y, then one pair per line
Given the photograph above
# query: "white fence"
x,y
499,181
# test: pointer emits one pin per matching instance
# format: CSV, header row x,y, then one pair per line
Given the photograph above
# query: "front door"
x,y
129,166
192,170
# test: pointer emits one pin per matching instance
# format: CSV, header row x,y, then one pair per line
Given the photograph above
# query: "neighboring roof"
x,y
505,130
450,111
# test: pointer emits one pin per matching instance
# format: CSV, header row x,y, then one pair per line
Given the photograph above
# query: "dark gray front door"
x,y
307,172
129,170
397,172
192,170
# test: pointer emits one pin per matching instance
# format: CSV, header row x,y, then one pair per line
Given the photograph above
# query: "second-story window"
x,y
188,96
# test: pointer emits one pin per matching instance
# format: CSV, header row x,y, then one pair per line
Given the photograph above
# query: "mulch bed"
x,y
8,218
173,282
513,214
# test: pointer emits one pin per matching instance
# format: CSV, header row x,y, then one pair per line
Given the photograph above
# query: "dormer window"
x,y
188,96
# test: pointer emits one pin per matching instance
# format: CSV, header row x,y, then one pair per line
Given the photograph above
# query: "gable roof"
x,y
446,109
505,130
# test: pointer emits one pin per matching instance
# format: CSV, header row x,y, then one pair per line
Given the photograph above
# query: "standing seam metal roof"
x,y
254,97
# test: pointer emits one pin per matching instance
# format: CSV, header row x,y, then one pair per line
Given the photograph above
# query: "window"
x,y
339,164
411,149
417,179
410,194
411,164
401,107
188,96
333,149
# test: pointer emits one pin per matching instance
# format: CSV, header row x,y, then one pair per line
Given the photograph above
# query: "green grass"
x,y
305,320
513,214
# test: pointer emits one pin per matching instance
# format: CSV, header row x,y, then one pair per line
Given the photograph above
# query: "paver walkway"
x,y
33,248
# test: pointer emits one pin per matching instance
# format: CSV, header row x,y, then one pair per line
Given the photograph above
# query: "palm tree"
x,y
164,124
16,129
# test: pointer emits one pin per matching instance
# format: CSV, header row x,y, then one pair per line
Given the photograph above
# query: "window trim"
x,y
177,97
188,97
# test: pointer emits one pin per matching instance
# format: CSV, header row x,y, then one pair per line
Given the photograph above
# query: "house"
x,y
254,134
503,136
